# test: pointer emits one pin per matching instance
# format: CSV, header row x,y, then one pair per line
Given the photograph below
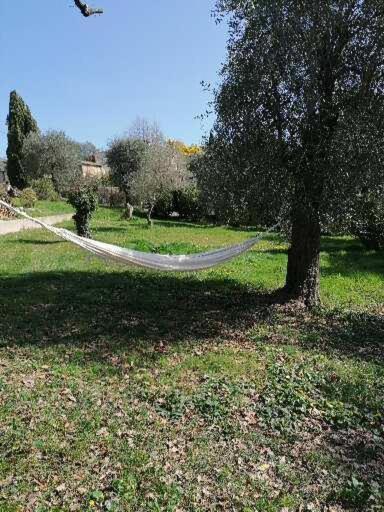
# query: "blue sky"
x,y
92,77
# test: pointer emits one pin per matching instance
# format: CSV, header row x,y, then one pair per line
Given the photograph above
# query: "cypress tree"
x,y
20,124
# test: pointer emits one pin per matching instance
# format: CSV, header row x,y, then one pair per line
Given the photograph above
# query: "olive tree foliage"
x,y
144,165
87,150
367,221
55,155
163,171
125,157
146,131
299,119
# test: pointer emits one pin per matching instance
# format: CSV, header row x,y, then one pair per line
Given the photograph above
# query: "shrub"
x,y
45,189
164,205
368,222
84,200
187,203
28,198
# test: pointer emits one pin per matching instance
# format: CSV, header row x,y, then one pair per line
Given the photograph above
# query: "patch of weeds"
x,y
341,415
126,487
287,398
164,248
96,498
260,333
362,495
177,248
6,507
143,245
216,398
353,397
45,509
274,505
163,498
172,405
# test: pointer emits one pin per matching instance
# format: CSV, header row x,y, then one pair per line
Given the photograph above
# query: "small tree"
x,y
125,157
52,154
158,175
84,200
20,124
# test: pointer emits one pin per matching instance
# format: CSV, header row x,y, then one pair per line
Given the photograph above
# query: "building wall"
x,y
92,170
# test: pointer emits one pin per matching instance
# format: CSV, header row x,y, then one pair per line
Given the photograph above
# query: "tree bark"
x,y
149,215
303,271
128,210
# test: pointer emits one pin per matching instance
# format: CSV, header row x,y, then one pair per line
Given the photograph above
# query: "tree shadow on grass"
x,y
355,262
114,229
354,334
183,224
122,311
336,244
35,242
347,256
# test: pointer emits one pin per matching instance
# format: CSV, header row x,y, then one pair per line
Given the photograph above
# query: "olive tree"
x,y
125,157
161,172
299,117
55,155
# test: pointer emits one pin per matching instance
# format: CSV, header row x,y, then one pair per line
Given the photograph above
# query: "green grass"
x,y
133,391
47,208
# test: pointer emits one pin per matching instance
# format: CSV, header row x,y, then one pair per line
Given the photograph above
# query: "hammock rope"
x,y
161,262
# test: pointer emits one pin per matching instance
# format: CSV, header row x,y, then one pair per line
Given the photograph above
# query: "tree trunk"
x,y
149,215
303,271
128,211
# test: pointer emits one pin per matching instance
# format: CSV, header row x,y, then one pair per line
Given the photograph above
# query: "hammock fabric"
x,y
167,263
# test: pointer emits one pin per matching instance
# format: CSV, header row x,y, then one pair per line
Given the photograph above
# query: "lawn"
x,y
47,208
126,390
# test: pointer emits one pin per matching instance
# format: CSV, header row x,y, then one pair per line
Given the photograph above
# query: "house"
x,y
3,173
95,167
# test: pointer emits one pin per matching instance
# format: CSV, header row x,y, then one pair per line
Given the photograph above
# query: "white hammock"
x,y
185,263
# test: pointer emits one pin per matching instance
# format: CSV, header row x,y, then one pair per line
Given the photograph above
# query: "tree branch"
x,y
86,10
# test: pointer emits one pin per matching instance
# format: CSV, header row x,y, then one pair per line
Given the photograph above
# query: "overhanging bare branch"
x,y
86,10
